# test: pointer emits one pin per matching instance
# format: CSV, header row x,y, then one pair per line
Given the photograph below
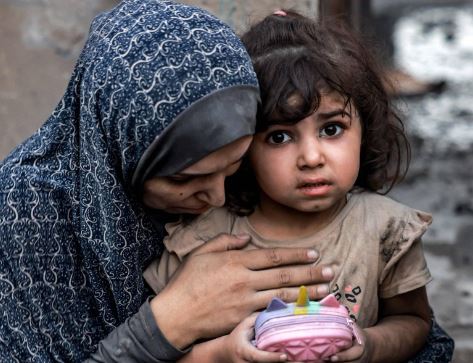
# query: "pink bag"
x,y
305,330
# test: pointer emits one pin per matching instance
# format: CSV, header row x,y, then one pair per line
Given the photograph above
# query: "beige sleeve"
x,y
405,268
182,239
159,272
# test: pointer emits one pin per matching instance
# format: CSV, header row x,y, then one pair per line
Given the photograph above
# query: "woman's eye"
x,y
179,179
232,169
278,137
331,130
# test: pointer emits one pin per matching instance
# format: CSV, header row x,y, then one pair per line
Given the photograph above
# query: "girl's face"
x,y
199,186
309,166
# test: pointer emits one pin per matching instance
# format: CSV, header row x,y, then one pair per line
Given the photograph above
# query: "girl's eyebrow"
x,y
209,173
340,111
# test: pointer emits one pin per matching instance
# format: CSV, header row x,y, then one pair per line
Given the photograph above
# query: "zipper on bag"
x,y
346,322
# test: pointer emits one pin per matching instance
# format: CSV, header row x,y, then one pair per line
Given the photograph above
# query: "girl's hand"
x,y
359,352
238,347
233,348
219,285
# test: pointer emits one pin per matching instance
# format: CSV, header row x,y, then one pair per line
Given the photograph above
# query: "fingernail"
x,y
243,236
327,272
323,290
283,357
313,255
334,358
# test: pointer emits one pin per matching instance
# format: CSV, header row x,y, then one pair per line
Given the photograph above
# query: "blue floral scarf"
x,y
74,235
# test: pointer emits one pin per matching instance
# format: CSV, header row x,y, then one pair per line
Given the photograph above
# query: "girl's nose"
x,y
213,190
311,154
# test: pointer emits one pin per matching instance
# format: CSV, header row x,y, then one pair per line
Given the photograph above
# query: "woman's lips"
x,y
199,210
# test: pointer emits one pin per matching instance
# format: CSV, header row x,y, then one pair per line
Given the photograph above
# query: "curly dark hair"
x,y
295,55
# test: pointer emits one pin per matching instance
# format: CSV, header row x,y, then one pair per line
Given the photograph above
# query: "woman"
x,y
160,108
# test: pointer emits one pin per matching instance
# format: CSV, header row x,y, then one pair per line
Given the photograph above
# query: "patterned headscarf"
x,y
158,86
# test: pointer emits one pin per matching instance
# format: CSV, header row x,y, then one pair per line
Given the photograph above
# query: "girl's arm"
x,y
399,334
233,348
403,326
208,351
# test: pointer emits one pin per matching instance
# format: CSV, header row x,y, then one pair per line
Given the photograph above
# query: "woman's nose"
x,y
213,190
311,154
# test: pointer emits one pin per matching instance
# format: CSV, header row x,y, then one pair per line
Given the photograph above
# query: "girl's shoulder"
x,y
382,210
369,199
185,235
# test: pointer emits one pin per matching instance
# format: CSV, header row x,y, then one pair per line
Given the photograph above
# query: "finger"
x,y
250,320
351,354
221,243
265,258
291,276
256,355
248,324
253,354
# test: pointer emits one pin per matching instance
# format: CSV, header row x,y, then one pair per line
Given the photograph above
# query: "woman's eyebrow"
x,y
205,174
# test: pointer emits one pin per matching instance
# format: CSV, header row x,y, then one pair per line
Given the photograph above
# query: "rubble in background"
x,y
436,43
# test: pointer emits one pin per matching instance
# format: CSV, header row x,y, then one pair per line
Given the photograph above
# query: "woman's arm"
x,y
400,332
138,339
438,348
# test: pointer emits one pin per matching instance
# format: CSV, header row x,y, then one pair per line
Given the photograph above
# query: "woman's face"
x,y
199,186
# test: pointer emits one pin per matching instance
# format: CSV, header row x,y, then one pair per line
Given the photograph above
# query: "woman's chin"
x,y
188,210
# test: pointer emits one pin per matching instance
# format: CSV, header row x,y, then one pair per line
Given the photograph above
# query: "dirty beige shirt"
x,y
375,240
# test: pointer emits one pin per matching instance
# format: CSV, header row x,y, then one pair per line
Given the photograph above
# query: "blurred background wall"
x,y
40,41
427,41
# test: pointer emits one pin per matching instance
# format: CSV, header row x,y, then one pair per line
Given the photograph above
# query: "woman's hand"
x,y
219,285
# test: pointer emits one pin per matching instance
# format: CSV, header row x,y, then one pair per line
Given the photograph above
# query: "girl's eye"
x,y
278,137
331,130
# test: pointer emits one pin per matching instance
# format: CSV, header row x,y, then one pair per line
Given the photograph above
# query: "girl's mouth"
x,y
312,185
315,189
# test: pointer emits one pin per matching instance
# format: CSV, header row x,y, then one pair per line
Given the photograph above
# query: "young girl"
x,y
328,145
